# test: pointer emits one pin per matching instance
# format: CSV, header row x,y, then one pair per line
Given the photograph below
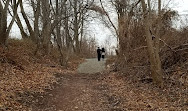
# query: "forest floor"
x,y
109,91
31,82
82,90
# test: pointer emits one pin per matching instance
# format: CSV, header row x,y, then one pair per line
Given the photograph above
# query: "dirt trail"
x,y
92,66
109,92
78,92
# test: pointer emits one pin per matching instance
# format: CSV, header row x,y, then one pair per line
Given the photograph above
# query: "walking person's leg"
x,y
99,57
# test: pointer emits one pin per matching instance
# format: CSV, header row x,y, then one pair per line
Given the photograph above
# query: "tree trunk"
x,y
157,37
156,75
69,41
32,34
4,30
18,22
58,32
3,27
36,21
82,30
46,31
76,35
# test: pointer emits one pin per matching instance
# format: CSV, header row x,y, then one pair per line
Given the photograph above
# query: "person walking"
x,y
99,54
103,53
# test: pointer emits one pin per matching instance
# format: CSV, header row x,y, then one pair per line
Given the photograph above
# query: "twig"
x,y
181,49
167,45
175,70
140,47
183,45
109,19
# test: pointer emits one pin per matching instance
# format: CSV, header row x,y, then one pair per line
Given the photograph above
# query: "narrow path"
x,y
108,92
92,66
78,92
83,92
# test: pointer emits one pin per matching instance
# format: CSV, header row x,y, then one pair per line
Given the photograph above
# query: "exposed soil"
x,y
78,92
110,91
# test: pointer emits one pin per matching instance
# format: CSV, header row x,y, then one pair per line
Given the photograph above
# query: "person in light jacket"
x,y
103,53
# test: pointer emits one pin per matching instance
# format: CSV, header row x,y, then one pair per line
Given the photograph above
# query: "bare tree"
x,y
128,14
46,26
4,29
153,53
125,14
79,12
33,28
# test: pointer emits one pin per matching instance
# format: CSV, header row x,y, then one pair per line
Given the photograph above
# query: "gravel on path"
x,y
91,66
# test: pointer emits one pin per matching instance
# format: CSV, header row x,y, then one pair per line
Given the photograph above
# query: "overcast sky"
x,y
181,6
102,33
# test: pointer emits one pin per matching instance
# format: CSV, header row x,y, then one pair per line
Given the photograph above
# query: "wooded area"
x,y
54,39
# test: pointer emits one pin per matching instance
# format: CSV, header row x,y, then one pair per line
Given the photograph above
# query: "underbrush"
x,y
21,71
138,92
173,55
135,66
129,94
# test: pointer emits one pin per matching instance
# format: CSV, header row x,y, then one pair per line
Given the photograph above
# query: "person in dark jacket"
x,y
103,53
99,54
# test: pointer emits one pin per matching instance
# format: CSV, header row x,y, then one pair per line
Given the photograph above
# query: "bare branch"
x,y
110,19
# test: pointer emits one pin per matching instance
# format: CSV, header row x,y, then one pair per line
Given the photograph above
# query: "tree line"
x,y
62,22
59,22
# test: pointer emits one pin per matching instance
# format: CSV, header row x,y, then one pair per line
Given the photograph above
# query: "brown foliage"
x,y
21,71
173,53
127,92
